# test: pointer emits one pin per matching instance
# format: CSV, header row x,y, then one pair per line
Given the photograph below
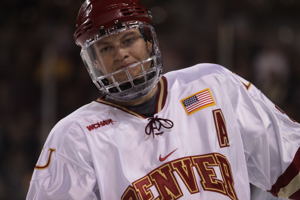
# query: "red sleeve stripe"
x,y
291,189
288,184
296,195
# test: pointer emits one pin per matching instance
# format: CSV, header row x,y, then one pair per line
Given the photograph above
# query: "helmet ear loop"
x,y
149,40
146,34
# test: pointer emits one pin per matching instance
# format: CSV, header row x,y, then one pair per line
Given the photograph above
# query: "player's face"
x,y
121,50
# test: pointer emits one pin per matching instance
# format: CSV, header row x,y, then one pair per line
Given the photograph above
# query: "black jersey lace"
x,y
155,123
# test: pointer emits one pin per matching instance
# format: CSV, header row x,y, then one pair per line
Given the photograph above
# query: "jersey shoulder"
x,y
197,72
72,125
211,74
66,144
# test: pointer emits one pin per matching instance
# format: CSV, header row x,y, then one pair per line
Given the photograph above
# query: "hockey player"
x,y
201,132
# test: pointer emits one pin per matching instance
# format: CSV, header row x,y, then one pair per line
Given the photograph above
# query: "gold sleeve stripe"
x,y
291,188
288,184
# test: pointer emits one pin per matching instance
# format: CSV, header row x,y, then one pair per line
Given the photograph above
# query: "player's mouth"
x,y
124,65
121,74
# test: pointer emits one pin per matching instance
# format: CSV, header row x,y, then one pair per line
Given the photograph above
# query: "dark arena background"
x,y
42,78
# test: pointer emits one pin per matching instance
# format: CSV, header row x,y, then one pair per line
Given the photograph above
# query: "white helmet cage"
x,y
130,86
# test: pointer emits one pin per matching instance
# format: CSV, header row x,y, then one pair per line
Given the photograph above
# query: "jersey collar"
x,y
160,99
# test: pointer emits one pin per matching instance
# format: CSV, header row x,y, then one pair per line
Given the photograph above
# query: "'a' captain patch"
x,y
198,101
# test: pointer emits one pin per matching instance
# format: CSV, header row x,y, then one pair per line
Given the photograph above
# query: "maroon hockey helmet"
x,y
99,15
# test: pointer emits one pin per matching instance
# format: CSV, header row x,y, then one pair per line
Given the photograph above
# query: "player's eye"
x,y
106,49
130,40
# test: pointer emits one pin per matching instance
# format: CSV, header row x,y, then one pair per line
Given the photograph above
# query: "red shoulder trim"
x,y
162,94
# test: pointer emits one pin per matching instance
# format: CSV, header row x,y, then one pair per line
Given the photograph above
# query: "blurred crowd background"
x,y
42,78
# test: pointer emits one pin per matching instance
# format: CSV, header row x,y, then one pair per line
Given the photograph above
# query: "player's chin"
x,y
122,79
134,73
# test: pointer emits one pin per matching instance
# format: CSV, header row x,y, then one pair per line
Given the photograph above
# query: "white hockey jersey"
x,y
212,135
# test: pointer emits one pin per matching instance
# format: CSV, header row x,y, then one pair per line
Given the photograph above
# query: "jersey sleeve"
x,y
271,139
63,170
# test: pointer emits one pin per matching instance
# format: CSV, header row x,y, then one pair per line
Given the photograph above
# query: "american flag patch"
x,y
198,101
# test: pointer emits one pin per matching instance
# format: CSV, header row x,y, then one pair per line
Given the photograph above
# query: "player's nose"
x,y
121,54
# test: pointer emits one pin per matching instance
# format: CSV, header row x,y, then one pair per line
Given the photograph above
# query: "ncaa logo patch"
x,y
100,124
198,101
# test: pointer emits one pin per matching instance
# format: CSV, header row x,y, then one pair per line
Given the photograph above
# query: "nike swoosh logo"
x,y
161,159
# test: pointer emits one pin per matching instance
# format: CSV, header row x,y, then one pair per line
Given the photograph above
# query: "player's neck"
x,y
138,101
